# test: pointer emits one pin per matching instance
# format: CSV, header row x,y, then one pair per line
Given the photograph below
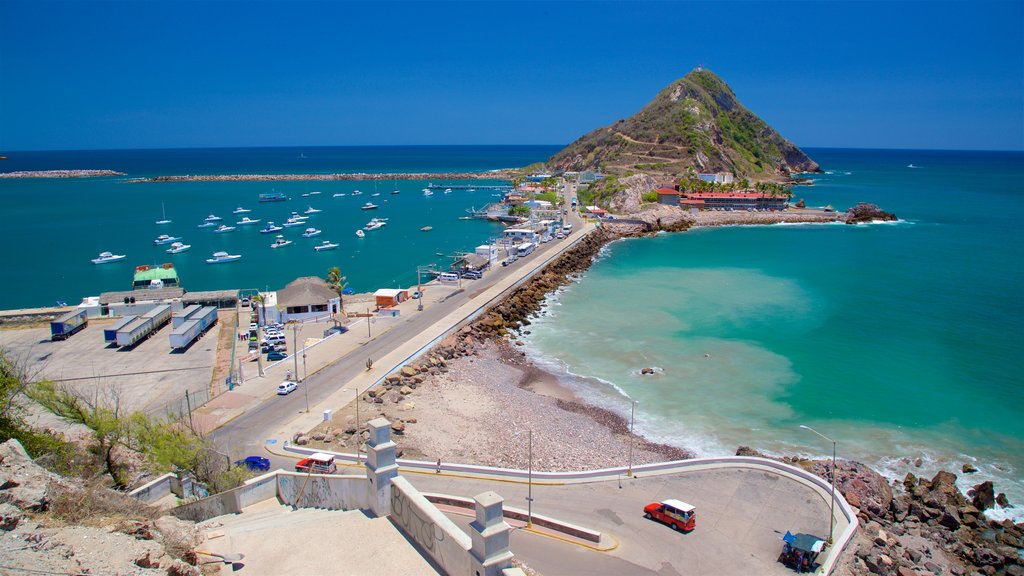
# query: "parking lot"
x,y
146,377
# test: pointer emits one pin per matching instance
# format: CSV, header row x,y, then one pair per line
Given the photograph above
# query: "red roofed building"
x,y
739,200
668,196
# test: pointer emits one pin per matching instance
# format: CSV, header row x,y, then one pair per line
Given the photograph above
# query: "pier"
x,y
433,186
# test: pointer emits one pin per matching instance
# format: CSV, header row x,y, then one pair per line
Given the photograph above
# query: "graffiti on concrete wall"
x,y
418,525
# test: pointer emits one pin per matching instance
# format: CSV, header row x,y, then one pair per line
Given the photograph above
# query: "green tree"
x,y
651,196
101,412
47,447
261,310
520,210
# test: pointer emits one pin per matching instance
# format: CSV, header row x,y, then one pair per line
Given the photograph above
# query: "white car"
x,y
286,387
254,326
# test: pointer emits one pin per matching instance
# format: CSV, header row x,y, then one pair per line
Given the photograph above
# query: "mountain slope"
x,y
696,123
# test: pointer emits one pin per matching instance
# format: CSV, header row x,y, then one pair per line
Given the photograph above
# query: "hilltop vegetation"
x,y
696,124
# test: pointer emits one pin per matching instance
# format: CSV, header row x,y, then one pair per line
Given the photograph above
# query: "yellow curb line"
x,y
581,544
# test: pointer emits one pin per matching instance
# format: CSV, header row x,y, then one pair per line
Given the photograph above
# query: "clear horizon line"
x,y
7,153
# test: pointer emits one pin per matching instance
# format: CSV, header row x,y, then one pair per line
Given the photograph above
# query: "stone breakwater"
x,y
60,174
496,175
920,527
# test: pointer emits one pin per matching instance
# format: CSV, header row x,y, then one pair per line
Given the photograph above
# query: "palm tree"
x,y
262,316
338,283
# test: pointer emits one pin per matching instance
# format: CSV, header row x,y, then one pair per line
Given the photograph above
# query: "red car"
x,y
676,513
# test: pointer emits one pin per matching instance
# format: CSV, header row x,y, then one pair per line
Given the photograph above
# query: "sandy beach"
x,y
460,414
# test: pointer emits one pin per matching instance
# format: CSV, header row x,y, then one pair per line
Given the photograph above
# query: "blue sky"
x,y
105,74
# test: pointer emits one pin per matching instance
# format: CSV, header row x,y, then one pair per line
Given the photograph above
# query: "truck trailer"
x,y
193,328
110,334
143,326
179,318
63,327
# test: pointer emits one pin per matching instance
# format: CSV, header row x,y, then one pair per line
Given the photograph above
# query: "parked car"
x,y
244,301
677,514
268,348
318,463
509,260
255,463
473,274
253,346
286,387
276,355
253,326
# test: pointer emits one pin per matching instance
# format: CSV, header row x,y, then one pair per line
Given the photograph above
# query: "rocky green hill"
x,y
694,124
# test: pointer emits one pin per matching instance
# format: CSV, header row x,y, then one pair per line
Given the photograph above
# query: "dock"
x,y
433,186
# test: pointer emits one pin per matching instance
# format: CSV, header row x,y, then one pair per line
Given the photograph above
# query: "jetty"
x,y
498,175
433,186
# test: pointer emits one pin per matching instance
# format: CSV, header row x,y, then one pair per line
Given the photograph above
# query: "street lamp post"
x,y
359,438
529,478
295,348
632,413
832,516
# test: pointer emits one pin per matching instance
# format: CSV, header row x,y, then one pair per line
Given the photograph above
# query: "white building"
x,y
302,299
717,178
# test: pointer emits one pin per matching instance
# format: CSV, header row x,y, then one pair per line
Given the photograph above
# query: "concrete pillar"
x,y
380,466
489,554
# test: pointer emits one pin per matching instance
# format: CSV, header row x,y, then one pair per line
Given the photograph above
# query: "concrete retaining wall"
x,y
257,490
211,507
326,491
433,532
158,488
521,515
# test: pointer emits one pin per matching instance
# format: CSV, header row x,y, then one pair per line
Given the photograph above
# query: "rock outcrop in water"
x,y
865,212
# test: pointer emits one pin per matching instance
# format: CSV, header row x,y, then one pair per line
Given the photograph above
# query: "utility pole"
x,y
295,348
632,413
832,518
368,335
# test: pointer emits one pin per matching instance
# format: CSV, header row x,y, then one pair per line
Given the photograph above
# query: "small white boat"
x,y
396,191
292,223
219,257
360,233
165,239
241,210
375,194
178,247
213,218
314,193
339,194
370,206
447,190
206,225
426,229
164,219
270,228
107,257
374,224
246,220
356,192
280,242
471,190
325,245
306,195
224,228
428,192
310,232
298,217
312,210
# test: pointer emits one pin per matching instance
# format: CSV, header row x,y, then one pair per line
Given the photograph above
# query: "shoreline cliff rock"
x,y
61,174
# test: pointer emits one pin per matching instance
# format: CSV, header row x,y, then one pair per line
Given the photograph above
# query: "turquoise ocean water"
x,y
898,340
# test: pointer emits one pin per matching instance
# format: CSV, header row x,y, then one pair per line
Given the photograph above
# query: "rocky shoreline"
x,y
61,174
495,175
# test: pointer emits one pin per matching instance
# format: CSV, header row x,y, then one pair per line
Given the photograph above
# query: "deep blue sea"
x,y
898,340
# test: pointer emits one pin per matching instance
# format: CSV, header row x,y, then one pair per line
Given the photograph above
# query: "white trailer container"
x,y
110,334
179,317
160,315
193,328
135,331
183,335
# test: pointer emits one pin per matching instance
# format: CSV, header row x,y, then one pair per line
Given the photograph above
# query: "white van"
x,y
448,278
274,339
567,229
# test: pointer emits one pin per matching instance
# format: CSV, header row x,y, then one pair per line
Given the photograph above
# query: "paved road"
x,y
248,433
741,517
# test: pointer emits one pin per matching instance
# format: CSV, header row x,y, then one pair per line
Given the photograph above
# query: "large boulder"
x,y
984,496
24,483
871,488
865,212
630,198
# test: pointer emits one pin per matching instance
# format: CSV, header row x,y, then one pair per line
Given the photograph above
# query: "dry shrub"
x,y
96,505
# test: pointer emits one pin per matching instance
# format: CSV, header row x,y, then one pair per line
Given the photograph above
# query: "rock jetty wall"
x,y
60,174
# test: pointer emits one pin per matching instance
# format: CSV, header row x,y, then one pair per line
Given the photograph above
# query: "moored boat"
x,y
312,210
375,224
273,197
370,206
280,242
213,218
246,220
241,210
220,257
356,192
107,257
224,228
178,247
360,233
310,232
270,228
426,229
325,245
339,194
206,225
165,239
164,219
